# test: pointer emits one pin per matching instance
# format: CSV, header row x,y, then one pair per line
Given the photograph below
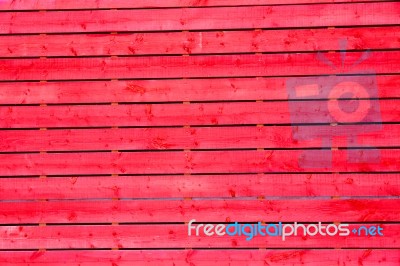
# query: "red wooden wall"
x,y
121,121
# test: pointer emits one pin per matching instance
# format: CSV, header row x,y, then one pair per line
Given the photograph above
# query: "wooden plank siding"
x,y
192,67
179,138
163,90
162,237
205,257
201,186
142,20
199,42
112,4
124,121
150,211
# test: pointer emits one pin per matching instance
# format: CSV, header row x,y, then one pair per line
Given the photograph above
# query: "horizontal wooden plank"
x,y
168,90
175,211
199,42
195,66
193,114
93,4
205,186
360,14
175,236
366,160
317,257
195,138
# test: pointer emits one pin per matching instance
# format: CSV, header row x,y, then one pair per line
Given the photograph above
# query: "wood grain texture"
x,y
270,137
231,257
169,43
195,66
169,90
238,113
175,211
96,4
361,14
198,162
201,186
136,140
173,236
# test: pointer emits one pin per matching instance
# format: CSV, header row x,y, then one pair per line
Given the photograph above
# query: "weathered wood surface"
x,y
121,121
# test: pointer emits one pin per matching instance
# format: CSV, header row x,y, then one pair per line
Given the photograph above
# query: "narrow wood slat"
x,y
316,257
173,236
175,211
94,4
199,42
205,186
195,138
198,162
195,66
188,114
183,90
201,19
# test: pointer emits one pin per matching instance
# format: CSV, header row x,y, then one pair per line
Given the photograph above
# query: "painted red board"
x,y
194,138
200,186
196,66
96,4
199,42
174,236
148,198
316,257
215,210
361,14
239,113
248,161
168,90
